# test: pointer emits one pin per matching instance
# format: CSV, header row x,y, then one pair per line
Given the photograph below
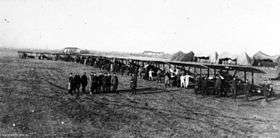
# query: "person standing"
x,y
108,83
187,80
104,83
178,80
159,75
84,82
151,75
204,88
167,77
77,80
196,84
115,83
234,87
100,83
94,83
140,70
218,84
133,83
71,84
247,88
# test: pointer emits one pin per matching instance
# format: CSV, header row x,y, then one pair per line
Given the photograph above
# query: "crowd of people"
x,y
92,84
220,84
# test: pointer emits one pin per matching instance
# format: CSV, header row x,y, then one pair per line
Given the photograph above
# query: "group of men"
x,y
75,83
101,83
177,79
220,85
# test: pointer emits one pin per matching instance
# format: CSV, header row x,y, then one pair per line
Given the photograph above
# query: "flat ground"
x,y
34,101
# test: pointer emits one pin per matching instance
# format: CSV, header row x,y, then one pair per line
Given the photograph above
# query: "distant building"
x,y
152,53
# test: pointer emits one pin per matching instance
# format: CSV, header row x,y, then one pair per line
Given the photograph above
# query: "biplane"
x,y
243,73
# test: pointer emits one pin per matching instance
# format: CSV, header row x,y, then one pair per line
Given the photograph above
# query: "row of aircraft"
x,y
198,68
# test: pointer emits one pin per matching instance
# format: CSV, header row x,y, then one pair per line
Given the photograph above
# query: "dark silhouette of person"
x,y
84,82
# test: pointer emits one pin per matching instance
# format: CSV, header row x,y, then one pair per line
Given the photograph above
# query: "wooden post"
x,y
252,78
245,77
200,72
169,66
208,73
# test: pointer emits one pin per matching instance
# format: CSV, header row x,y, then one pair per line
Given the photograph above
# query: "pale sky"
x,y
136,25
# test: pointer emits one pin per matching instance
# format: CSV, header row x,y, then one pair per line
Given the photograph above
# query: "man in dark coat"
x,y
133,83
234,87
77,80
84,82
204,89
100,87
218,85
115,83
71,84
196,84
108,83
94,83
167,77
104,83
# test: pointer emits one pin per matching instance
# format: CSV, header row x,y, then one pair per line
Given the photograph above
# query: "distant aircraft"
x,y
74,50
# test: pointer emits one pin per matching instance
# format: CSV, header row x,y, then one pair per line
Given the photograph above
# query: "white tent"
x,y
244,59
262,56
213,57
240,59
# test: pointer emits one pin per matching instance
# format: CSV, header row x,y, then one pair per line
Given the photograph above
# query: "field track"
x,y
34,101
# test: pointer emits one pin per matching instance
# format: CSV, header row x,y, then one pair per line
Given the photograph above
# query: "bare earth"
x,y
34,101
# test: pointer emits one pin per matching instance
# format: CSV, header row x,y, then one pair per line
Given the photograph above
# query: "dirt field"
x,y
34,101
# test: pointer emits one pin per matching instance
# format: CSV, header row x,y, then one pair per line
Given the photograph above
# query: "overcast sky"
x,y
136,25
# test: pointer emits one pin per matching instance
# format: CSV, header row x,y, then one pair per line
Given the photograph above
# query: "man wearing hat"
x,y
115,83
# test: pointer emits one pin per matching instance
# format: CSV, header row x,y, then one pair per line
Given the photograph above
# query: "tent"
x,y
206,57
227,58
277,60
181,56
238,59
214,58
262,56
262,59
244,59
